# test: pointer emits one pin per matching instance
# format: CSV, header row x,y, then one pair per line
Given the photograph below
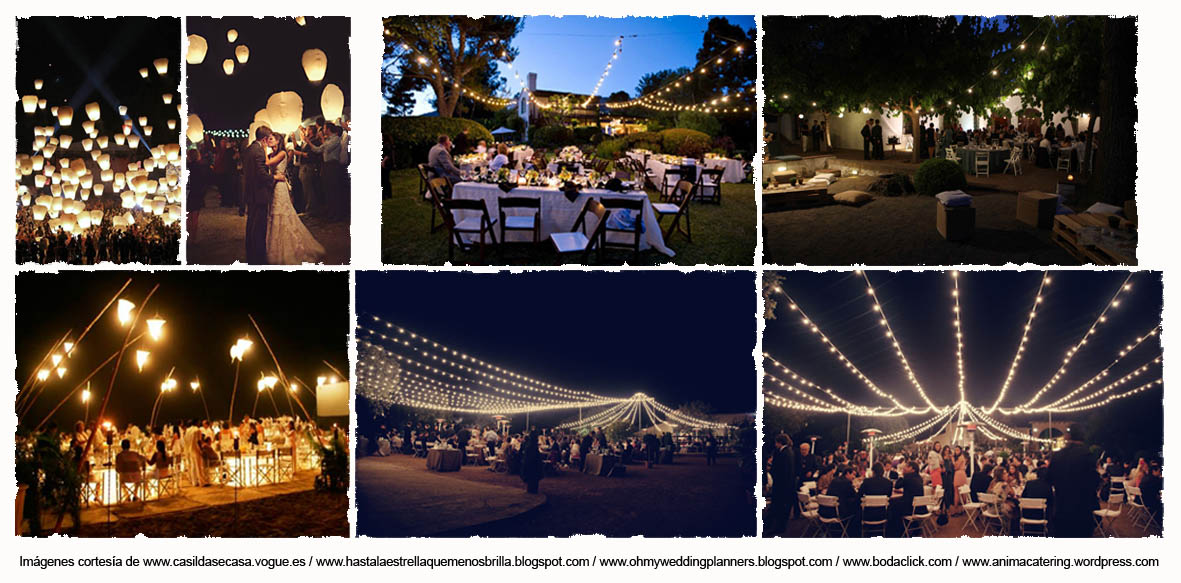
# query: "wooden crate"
x,y
1067,233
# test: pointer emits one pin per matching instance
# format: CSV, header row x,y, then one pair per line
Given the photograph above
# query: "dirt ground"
x,y
686,499
308,513
901,231
217,235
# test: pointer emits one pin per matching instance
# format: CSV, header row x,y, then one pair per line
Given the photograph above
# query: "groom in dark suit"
x,y
260,190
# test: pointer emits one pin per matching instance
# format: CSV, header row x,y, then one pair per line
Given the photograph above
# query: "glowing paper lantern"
x,y
332,102
123,310
172,124
161,65
39,212
315,64
196,129
122,110
285,111
167,97
38,84
65,142
301,20
197,49
41,103
232,35
143,72
29,103
88,127
143,120
242,53
156,328
133,141
141,358
228,66
65,115
92,111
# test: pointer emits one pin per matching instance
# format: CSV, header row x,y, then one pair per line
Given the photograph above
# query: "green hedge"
x,y
938,175
413,137
685,142
551,137
588,135
611,149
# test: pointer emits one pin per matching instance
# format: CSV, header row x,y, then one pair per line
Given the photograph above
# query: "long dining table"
x,y
558,212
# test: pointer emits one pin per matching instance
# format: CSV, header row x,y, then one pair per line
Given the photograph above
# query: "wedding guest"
x,y
531,464
500,159
1075,483
440,160
783,485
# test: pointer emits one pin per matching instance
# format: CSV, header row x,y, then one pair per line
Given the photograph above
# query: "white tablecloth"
x,y
732,169
558,213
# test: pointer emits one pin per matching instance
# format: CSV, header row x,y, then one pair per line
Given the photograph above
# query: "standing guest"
x,y
1072,474
866,135
817,136
806,466
930,139
531,465
711,450
783,485
331,176
878,147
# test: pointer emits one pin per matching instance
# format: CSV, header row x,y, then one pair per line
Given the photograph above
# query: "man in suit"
x,y
260,191
876,485
439,159
911,486
1150,489
980,481
866,134
876,134
1075,481
817,136
806,464
846,495
783,485
1039,487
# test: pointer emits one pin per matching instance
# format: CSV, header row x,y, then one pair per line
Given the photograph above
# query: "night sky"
x,y
676,337
994,307
305,316
568,53
85,60
276,49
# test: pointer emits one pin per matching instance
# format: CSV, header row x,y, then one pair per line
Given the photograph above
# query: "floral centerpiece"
x,y
565,175
570,154
531,176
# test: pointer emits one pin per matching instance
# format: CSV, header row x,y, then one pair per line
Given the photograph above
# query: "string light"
x,y
1114,302
885,322
846,405
1103,373
649,99
618,50
959,332
1037,301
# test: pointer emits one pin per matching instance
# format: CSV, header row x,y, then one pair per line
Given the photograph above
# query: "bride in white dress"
x,y
289,242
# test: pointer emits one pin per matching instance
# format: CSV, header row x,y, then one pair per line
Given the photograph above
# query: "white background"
x,y
1158,196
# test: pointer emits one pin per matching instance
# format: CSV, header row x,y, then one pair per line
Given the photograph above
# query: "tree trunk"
x,y
915,128
1115,173
827,136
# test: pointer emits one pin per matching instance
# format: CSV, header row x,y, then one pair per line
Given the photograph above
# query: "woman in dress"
x,y
289,242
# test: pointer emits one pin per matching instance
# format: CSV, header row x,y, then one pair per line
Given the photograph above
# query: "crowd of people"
x,y
148,241
531,452
1071,481
318,173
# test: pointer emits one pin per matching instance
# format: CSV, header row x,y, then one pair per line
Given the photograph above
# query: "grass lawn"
x,y
722,234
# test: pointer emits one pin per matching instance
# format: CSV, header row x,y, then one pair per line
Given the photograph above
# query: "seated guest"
x,y
1150,489
160,460
1039,487
878,485
910,485
842,488
981,481
482,147
826,477
439,159
129,462
501,158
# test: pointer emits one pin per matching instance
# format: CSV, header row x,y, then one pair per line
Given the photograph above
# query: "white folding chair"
x,y
1064,159
918,517
870,505
1105,517
991,514
1013,162
950,154
808,511
1033,516
971,509
981,163
830,515
1141,516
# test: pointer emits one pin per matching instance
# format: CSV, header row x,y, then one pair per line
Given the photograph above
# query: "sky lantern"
x,y
143,72
65,141
161,66
315,64
41,103
172,124
228,66
38,84
132,141
167,97
332,102
242,53
232,35
122,110
301,21
148,131
195,54
92,111
285,111
65,115
29,103
143,120
196,129
88,126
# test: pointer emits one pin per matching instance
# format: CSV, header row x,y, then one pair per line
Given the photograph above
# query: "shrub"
x,y
684,142
611,149
937,175
588,135
413,137
551,137
702,122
